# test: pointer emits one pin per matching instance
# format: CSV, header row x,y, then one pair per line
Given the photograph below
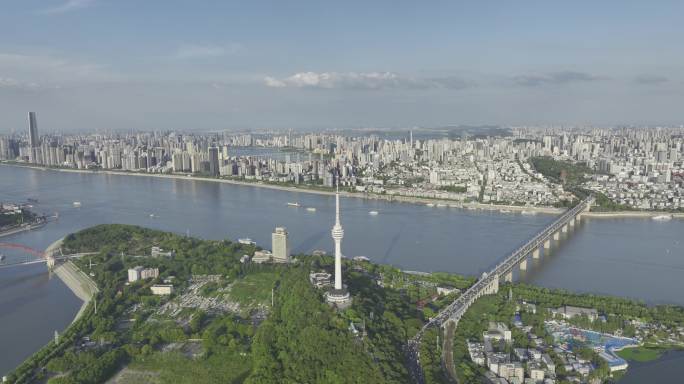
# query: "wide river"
x,y
638,258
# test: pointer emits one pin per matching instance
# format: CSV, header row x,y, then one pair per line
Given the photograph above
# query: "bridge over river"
x,y
488,284
34,256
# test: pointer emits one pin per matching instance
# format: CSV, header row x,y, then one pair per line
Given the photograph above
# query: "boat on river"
x,y
293,204
246,241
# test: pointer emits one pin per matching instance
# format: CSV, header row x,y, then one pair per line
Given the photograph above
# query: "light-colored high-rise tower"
x,y
339,295
280,245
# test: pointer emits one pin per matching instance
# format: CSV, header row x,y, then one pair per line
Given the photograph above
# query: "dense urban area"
x,y
628,168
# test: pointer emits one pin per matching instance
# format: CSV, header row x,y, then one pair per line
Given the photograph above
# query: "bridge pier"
x,y
523,265
572,222
494,286
508,277
556,235
565,228
547,244
535,253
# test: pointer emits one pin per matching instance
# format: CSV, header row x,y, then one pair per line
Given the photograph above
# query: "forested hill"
x,y
303,342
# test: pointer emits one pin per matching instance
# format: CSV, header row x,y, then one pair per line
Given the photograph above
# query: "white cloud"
x,y
273,82
361,80
68,6
195,51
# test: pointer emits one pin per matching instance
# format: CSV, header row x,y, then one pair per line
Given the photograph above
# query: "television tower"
x,y
337,235
339,296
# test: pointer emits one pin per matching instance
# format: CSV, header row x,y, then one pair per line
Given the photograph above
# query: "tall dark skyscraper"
x,y
33,130
213,161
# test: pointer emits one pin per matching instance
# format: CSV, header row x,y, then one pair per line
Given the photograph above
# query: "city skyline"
x,y
267,65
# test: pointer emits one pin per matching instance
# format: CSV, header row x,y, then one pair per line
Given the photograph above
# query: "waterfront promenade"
x,y
22,228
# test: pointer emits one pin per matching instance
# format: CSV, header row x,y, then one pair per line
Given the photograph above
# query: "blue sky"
x,y
210,65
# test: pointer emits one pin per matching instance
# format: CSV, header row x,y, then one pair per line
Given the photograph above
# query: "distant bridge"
x,y
488,284
42,257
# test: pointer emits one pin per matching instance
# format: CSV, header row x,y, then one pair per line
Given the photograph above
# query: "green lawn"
x,y
641,354
254,289
173,367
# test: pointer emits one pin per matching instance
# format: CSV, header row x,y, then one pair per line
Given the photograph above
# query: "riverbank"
x,y
633,214
77,281
438,203
20,229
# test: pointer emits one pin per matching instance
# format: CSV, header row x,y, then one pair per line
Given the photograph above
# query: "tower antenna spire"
x,y
337,208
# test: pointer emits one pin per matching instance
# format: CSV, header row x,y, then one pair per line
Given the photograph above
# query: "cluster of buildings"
x,y
10,209
555,356
639,167
566,337
140,273
506,364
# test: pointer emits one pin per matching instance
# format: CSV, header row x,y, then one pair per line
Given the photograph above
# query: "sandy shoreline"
x,y
368,196
632,214
77,281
